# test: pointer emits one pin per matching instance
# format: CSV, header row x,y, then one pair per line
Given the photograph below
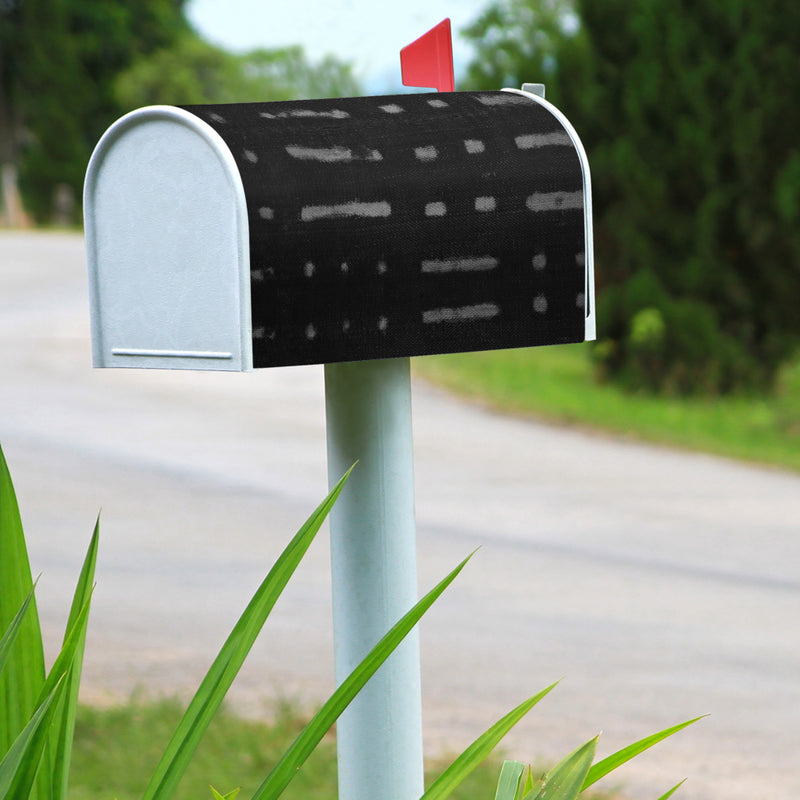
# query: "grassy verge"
x,y
116,750
556,384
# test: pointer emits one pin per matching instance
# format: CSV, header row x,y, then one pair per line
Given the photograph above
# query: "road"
x,y
659,585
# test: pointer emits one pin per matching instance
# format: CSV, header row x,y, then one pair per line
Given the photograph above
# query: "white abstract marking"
x,y
437,103
266,213
251,156
382,267
487,203
469,264
437,209
257,274
383,323
311,331
501,99
309,269
461,314
539,261
306,112
555,201
258,333
532,141
271,334
540,304
474,146
427,153
392,108
344,267
330,154
354,208
218,118
345,326
580,300
580,259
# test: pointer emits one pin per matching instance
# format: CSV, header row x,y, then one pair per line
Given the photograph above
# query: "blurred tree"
x,y
686,108
194,71
58,63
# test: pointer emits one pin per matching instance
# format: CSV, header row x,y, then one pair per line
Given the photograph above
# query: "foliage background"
x,y
687,114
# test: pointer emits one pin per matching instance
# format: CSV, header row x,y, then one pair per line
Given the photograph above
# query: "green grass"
x,y
116,750
557,384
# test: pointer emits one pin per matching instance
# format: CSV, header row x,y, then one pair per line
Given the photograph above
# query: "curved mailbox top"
x,y
357,228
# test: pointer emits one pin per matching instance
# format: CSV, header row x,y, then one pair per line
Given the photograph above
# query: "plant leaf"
x,y
602,768
16,774
479,749
672,791
228,796
508,782
64,724
13,629
23,677
565,780
219,677
304,744
56,678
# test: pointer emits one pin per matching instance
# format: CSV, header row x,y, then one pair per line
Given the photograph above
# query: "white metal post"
x,y
373,554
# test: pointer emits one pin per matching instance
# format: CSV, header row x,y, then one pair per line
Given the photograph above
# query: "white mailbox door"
x,y
167,246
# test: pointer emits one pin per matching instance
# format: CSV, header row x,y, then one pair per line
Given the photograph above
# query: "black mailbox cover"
x,y
409,225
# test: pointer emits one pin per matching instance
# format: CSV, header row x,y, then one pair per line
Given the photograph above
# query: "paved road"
x,y
659,585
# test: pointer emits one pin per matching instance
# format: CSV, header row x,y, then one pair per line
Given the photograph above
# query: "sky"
x,y
368,33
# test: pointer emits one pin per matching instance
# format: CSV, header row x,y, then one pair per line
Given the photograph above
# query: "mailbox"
x,y
266,234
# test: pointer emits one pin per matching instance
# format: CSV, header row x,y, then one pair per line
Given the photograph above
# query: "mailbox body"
x,y
269,234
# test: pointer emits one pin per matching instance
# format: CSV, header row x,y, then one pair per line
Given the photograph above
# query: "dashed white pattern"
x,y
308,269
265,212
474,146
485,203
580,259
437,209
392,108
532,141
539,261
251,156
468,264
540,304
306,112
427,153
257,274
344,267
311,331
383,323
436,103
580,300
354,208
555,201
330,154
218,118
382,267
345,325
461,314
501,99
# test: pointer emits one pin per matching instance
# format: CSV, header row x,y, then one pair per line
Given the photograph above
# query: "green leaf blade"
x,y
565,780
220,675
444,785
672,791
602,768
23,677
291,761
508,783
77,623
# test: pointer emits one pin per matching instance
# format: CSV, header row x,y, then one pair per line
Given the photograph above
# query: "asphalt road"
x,y
659,585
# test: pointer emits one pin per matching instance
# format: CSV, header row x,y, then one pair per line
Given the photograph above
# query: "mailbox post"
x,y
355,233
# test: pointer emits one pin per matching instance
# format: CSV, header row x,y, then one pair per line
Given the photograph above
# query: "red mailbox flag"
x,y
428,62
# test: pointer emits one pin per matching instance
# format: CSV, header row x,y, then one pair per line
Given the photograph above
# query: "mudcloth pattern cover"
x,y
413,224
